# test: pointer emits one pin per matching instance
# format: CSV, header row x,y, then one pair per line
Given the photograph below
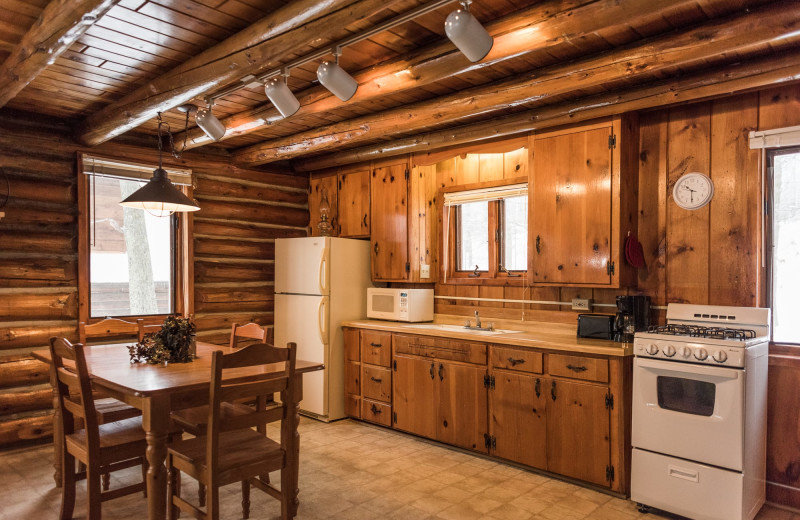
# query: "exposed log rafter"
x,y
61,23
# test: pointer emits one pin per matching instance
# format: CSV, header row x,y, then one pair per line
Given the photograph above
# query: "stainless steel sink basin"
x,y
459,328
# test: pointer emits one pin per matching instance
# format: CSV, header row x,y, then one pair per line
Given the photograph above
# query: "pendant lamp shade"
x,y
467,33
334,78
160,197
209,123
279,94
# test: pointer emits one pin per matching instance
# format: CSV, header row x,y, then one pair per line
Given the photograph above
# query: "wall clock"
x,y
693,191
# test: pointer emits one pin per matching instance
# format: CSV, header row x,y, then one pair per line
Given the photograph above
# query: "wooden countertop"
x,y
538,335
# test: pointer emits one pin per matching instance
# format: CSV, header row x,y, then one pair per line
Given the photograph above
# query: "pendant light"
x,y
209,123
467,33
336,79
279,94
159,196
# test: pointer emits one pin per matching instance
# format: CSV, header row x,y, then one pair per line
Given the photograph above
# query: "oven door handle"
x,y
674,367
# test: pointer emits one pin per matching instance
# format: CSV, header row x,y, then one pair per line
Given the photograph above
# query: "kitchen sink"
x,y
459,328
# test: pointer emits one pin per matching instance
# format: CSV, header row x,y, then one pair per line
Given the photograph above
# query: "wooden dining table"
x,y
157,390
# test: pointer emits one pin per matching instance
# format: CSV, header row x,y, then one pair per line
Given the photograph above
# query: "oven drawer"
x,y
687,488
578,367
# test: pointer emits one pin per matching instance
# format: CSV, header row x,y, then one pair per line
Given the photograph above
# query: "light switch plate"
x,y
424,270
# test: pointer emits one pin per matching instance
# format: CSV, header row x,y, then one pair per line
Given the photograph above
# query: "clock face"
x,y
693,191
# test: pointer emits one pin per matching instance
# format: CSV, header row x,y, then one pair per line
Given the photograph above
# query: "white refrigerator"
x,y
320,282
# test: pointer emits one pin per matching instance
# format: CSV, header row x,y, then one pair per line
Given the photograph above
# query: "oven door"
x,y
690,411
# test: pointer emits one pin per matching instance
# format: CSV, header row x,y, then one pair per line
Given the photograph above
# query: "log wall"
x,y
243,212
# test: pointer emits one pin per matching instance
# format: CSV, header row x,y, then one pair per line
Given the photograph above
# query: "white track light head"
x,y
467,33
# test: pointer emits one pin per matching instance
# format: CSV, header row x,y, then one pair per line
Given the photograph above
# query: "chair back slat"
x,y
248,357
243,390
143,329
107,328
248,331
74,389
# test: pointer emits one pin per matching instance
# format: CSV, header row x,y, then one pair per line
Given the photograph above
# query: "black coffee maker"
x,y
633,315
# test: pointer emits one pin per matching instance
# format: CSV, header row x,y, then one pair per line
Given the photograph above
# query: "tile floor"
x,y
353,471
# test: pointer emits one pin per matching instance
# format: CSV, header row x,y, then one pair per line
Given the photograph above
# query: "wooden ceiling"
x,y
552,59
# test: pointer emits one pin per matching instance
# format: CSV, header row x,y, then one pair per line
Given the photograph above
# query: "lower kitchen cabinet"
x,y
518,419
413,392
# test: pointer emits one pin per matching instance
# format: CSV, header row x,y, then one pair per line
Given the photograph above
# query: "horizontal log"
x,y
232,294
23,373
233,173
32,336
26,401
261,307
265,213
721,81
235,248
27,429
55,191
20,272
20,212
30,306
224,228
246,192
226,321
38,243
206,271
693,47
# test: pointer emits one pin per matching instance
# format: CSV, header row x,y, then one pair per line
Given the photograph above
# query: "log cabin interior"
x,y
592,150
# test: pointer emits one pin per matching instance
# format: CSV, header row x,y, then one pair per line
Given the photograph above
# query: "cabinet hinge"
x,y
489,441
612,141
610,268
407,173
408,267
394,365
609,401
394,417
488,381
610,473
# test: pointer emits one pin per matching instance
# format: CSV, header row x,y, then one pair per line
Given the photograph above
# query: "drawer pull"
x,y
441,369
432,370
538,387
515,362
376,379
552,390
376,345
375,409
577,369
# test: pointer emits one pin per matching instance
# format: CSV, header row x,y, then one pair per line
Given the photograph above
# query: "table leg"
x,y
155,421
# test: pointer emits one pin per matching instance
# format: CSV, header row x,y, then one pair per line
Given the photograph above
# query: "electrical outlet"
x,y
581,304
424,270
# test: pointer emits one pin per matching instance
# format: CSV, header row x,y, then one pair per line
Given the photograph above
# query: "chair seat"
x,y
238,451
193,420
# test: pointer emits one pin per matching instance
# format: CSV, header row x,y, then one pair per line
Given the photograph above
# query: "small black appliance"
x,y
633,315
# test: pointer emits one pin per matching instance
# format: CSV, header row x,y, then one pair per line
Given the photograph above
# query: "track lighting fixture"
x,y
209,123
279,94
467,33
334,78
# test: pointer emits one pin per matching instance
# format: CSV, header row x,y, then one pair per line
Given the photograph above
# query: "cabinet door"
x,y
389,189
318,186
354,204
461,412
570,226
578,431
518,418
413,395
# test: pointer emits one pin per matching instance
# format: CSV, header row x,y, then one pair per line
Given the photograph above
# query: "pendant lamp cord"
x,y
175,153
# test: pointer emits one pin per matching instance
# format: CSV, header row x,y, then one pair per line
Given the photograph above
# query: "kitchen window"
x,y
487,233
130,260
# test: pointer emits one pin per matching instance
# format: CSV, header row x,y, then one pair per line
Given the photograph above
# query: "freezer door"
x,y
302,265
304,320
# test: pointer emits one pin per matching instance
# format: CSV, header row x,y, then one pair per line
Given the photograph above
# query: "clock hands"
x,y
691,195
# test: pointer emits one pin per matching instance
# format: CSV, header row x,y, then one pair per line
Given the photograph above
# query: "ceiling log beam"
x,y
542,26
738,34
61,23
302,22
722,81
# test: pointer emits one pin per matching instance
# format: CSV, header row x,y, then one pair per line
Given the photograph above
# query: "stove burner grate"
x,y
695,331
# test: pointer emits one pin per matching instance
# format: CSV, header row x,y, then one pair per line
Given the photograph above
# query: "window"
x,y
487,233
129,258
784,165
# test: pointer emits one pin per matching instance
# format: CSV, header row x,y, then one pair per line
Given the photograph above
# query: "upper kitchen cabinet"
x,y
320,188
389,223
353,193
582,196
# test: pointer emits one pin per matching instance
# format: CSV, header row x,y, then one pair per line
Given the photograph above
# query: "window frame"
x,y
450,240
182,269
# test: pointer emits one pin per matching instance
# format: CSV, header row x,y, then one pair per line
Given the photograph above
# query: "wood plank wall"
x,y
243,211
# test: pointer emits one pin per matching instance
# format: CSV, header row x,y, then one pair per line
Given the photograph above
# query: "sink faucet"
x,y
477,320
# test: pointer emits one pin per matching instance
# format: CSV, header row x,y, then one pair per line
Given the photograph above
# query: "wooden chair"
x,y
102,448
231,451
107,328
143,329
249,331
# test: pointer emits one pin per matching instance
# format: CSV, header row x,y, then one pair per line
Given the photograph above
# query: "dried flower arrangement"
x,y
171,344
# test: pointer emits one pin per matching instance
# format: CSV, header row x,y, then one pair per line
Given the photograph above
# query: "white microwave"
x,y
400,304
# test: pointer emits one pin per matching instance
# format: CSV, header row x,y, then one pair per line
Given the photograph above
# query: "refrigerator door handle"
x,y
321,322
323,265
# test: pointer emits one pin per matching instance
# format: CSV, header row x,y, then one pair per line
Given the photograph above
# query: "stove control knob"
x,y
701,354
686,352
669,351
652,349
720,356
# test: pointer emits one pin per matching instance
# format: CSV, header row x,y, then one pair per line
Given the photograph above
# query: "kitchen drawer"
x,y
376,347
376,383
352,406
578,367
515,359
441,348
377,412
352,351
352,378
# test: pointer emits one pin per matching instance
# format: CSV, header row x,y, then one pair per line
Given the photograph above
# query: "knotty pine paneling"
x,y
233,243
